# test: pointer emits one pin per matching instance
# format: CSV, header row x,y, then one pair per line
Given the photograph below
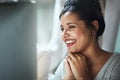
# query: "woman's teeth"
x,y
70,41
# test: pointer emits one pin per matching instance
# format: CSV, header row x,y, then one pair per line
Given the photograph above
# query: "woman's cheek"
x,y
75,34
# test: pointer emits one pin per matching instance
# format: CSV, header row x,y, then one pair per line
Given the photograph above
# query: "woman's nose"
x,y
65,34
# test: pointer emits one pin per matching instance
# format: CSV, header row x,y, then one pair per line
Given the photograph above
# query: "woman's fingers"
x,y
67,67
75,58
68,75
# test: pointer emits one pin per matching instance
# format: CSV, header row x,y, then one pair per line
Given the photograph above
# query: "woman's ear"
x,y
96,25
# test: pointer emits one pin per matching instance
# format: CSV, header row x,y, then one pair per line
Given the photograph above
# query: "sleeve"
x,y
116,70
58,73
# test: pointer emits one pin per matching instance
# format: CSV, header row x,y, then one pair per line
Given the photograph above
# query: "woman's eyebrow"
x,y
71,23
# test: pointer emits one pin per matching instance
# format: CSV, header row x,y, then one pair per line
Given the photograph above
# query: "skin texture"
x,y
85,55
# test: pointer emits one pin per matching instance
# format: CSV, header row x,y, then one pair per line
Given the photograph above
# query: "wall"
x,y
112,17
17,41
117,46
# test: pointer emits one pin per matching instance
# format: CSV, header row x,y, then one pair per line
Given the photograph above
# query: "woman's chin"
x,y
71,51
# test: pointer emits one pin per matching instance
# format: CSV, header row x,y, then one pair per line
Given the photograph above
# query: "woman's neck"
x,y
92,53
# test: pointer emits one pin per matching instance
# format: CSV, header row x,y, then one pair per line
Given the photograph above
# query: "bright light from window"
x,y
33,1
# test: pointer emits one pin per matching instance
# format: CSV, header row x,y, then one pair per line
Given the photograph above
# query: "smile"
x,y
70,42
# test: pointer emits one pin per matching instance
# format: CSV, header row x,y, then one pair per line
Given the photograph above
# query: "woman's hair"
x,y
87,10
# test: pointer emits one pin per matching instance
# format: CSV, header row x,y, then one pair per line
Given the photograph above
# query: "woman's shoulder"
x,y
115,67
117,58
116,55
115,61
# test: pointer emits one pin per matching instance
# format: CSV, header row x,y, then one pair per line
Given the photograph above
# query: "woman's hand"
x,y
76,67
68,73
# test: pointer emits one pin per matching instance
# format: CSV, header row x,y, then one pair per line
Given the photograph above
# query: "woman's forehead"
x,y
69,16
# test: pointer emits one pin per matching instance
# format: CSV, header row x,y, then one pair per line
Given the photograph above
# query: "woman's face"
x,y
75,34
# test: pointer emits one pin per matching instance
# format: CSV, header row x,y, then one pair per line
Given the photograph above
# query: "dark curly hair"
x,y
87,10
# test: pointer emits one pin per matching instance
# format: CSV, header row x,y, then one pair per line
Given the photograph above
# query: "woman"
x,y
82,24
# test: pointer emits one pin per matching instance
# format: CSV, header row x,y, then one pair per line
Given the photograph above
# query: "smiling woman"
x,y
82,24
81,27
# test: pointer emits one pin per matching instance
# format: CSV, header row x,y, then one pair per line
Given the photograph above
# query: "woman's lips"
x,y
70,42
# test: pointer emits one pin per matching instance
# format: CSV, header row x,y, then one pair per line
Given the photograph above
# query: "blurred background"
x,y
30,43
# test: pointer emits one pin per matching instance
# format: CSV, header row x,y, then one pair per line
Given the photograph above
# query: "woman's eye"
x,y
71,27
